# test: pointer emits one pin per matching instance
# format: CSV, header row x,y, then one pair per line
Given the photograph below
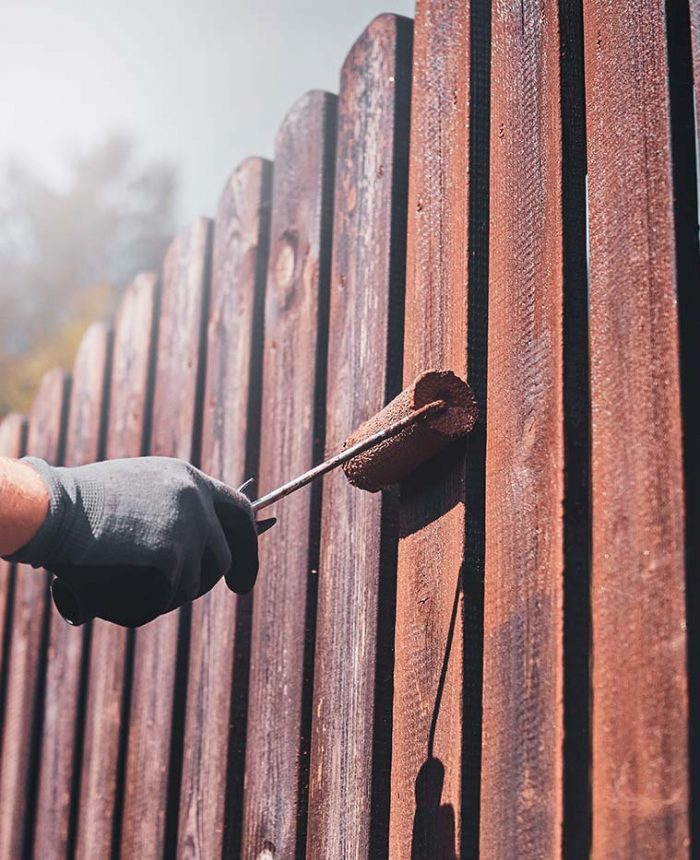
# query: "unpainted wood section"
x,y
296,296
13,429
65,643
128,402
426,772
358,546
640,776
521,794
174,434
26,666
214,727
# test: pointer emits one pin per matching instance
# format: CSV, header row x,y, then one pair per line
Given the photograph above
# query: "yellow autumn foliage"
x,y
20,375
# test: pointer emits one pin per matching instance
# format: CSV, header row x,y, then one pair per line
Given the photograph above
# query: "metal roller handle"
x,y
347,454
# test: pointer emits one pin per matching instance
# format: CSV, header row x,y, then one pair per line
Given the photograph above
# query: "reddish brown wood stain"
x,y
357,549
128,395
522,769
640,795
65,645
427,734
25,674
345,748
297,288
215,727
175,404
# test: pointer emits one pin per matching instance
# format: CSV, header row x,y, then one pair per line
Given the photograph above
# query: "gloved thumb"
x,y
238,525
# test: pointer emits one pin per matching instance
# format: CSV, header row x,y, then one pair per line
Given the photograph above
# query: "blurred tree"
x,y
65,254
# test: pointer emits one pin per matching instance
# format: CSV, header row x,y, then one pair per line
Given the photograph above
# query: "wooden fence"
x,y
502,657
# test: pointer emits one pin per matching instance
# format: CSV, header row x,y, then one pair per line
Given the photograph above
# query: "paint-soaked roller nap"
x,y
392,459
436,409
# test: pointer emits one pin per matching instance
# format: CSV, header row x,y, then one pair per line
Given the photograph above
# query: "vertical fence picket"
x,y
426,771
214,748
640,777
521,801
26,663
13,435
349,789
683,35
58,752
156,716
129,399
291,439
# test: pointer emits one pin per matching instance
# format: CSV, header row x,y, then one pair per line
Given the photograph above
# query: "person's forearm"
x,y
24,504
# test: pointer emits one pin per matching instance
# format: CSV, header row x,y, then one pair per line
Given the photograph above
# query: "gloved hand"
x,y
132,539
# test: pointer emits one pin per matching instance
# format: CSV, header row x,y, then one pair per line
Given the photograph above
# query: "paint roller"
x,y
424,418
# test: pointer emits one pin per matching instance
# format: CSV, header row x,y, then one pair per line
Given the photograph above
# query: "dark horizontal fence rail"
x,y
497,659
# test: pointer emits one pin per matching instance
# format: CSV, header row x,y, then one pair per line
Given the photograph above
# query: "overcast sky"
x,y
203,84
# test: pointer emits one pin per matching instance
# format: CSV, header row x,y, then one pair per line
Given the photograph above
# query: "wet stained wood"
x,y
291,440
103,733
426,769
26,662
522,769
13,432
59,754
639,776
214,749
175,433
349,788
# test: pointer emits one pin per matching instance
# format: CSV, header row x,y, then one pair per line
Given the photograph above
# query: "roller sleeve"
x,y
391,460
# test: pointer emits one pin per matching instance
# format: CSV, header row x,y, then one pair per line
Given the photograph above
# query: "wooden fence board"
x,y
640,794
104,710
214,748
13,434
59,755
349,793
683,35
291,439
151,783
522,768
427,730
26,662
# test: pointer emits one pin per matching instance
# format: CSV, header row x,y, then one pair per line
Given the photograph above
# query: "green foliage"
x,y
66,252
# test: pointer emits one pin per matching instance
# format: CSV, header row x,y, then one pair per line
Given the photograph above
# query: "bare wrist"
x,y
24,504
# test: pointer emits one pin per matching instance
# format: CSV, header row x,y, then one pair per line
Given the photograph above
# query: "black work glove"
x,y
132,539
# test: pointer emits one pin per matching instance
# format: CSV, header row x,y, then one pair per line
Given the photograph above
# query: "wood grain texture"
x,y
426,770
129,399
59,755
214,749
640,793
683,36
349,789
13,433
522,762
154,716
291,439
26,663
